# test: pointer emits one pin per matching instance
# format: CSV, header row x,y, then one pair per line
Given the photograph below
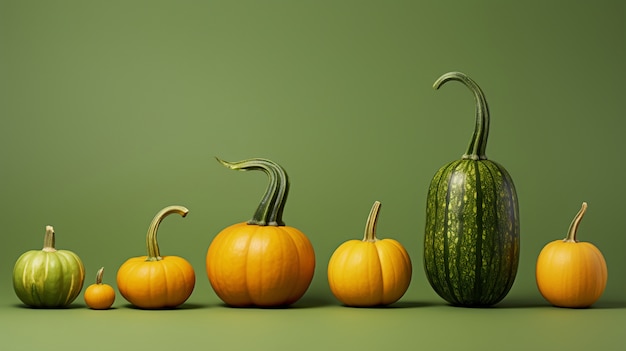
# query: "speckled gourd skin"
x,y
472,232
471,246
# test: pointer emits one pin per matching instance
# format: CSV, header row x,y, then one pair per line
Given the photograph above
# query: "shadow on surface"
x,y
411,304
519,303
607,305
545,304
185,306
70,307
397,305
303,303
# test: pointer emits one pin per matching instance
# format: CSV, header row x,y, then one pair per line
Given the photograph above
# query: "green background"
x,y
112,110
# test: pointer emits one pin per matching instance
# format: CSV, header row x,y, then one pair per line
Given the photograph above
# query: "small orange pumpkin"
x,y
369,272
156,281
99,296
570,273
261,262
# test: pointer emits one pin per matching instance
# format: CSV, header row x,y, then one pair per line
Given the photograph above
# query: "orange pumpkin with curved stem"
x,y
99,296
570,273
369,272
262,262
156,281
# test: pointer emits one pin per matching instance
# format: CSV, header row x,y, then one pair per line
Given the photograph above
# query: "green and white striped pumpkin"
x,y
48,277
472,234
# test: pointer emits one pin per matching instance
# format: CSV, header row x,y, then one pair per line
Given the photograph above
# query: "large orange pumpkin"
x,y
155,281
570,273
262,262
369,272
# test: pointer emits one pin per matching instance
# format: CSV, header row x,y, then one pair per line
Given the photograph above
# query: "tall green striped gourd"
x,y
472,234
48,277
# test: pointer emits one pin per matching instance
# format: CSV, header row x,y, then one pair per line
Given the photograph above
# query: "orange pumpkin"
x,y
570,273
156,281
261,262
99,296
369,272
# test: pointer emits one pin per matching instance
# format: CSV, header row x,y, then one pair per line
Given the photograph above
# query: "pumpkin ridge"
x,y
458,234
48,284
380,274
181,264
512,232
338,256
480,231
348,253
463,169
383,251
245,275
446,220
297,262
63,277
164,272
508,272
432,267
496,272
76,279
397,250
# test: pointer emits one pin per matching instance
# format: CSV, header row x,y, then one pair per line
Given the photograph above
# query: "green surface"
x,y
113,110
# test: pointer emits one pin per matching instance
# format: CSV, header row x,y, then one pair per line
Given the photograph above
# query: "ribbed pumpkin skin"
x,y
362,273
253,265
166,283
471,245
571,274
48,279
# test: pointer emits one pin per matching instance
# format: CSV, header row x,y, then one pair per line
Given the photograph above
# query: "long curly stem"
x,y
270,209
478,144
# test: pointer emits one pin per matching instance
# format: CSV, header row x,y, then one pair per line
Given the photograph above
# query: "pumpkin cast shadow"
x,y
304,303
185,306
396,305
68,307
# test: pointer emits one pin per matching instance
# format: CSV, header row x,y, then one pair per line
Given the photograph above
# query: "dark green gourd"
x,y
471,243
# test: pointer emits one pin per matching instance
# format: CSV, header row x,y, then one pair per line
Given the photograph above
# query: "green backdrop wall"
x,y
113,110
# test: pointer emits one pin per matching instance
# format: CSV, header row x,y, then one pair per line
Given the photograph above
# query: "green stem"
x,y
154,254
99,275
270,210
370,226
49,240
478,143
573,227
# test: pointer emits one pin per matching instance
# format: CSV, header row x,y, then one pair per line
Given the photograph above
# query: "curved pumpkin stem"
x,y
478,144
99,275
270,210
49,240
154,254
573,227
370,226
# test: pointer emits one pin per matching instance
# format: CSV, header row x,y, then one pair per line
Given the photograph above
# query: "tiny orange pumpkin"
x,y
369,272
262,262
570,273
99,296
155,281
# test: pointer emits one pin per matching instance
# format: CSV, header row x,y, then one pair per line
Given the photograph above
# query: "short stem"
x,y
270,209
478,144
49,240
154,254
573,228
99,275
370,226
